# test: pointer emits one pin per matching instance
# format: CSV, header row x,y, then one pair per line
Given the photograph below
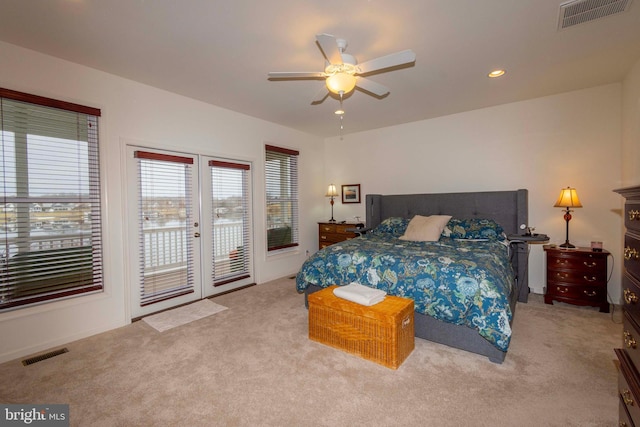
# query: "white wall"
x,y
571,139
157,119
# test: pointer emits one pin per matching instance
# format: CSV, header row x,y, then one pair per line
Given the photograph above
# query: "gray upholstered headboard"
x,y
508,208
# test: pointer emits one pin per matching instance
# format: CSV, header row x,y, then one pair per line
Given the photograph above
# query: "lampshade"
x,y
341,82
331,191
568,199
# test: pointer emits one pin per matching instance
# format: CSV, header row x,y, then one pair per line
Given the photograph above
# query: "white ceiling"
x,y
221,51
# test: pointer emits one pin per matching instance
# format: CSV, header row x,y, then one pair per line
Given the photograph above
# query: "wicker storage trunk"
x,y
382,333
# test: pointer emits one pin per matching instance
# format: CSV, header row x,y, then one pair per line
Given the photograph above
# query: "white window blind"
x,y
165,224
230,220
50,217
281,176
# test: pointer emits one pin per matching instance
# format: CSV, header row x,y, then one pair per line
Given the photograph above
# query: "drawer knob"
x,y
590,293
623,424
634,215
626,396
562,290
630,253
590,279
590,264
629,341
630,297
561,261
562,275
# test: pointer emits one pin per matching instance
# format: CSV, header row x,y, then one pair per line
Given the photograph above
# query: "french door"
x,y
191,218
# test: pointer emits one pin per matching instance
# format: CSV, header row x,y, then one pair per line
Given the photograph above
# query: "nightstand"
x,y
577,276
330,233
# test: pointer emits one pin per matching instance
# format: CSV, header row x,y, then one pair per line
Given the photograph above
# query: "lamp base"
x,y
567,245
331,220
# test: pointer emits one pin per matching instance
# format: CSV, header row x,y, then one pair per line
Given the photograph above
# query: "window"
x,y
281,170
50,225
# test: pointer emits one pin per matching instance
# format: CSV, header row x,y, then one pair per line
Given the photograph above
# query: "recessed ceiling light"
x,y
496,73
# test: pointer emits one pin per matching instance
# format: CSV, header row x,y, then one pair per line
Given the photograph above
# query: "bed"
x,y
465,286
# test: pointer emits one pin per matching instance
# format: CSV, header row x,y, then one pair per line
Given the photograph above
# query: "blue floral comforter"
x,y
457,281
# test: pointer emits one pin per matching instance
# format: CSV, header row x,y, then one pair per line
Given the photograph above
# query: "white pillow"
x,y
425,228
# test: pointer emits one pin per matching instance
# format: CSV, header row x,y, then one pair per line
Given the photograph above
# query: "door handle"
x,y
196,234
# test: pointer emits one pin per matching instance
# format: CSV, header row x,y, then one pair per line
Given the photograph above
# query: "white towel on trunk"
x,y
360,294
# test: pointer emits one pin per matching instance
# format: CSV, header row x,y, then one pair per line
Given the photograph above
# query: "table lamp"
x,y
331,192
568,199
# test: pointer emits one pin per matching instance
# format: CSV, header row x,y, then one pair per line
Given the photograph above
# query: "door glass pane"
x,y
230,201
166,224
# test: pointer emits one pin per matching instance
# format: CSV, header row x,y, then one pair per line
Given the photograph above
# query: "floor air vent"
x,y
35,359
579,11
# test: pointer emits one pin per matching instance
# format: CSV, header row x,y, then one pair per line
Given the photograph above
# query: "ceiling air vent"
x,y
579,11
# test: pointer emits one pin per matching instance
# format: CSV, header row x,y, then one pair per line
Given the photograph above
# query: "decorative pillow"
x,y
394,226
477,228
425,228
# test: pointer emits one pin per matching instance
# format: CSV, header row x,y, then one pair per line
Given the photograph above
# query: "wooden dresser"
x,y
629,354
331,232
577,276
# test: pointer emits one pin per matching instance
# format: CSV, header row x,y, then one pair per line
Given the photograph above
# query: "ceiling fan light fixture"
x,y
341,82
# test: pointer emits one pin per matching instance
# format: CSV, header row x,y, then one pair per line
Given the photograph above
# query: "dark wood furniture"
x,y
629,354
577,276
330,233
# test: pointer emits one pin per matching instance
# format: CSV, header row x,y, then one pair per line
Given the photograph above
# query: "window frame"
x,y
48,260
288,168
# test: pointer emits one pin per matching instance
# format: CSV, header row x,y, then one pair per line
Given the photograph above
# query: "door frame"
x,y
131,228
208,288
132,214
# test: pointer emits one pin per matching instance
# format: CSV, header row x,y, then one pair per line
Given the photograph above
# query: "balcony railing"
x,y
45,242
165,248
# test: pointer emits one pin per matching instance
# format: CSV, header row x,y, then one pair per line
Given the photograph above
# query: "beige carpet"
x,y
253,365
182,315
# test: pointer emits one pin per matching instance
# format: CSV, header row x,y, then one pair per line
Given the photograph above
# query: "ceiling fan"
x,y
343,73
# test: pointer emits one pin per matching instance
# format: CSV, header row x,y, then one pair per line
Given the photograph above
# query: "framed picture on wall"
x,y
351,193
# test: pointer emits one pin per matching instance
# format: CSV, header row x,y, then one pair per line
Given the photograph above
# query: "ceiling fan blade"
x,y
329,48
371,86
297,75
322,94
395,59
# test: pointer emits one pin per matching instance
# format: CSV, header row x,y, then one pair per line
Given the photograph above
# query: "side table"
x,y
577,276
